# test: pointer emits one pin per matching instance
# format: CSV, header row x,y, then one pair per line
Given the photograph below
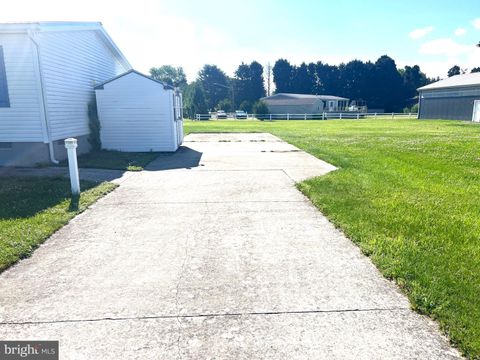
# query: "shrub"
x,y
94,125
260,108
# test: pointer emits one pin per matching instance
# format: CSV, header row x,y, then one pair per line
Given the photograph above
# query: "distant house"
x,y
284,103
138,113
47,74
456,98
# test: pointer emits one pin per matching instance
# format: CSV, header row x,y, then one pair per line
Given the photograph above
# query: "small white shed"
x,y
139,114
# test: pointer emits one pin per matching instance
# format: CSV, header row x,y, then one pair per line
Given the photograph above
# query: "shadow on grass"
x,y
23,197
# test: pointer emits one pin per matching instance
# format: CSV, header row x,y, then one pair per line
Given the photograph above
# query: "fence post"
x,y
270,117
288,116
358,116
323,115
305,117
393,116
71,146
340,116
375,115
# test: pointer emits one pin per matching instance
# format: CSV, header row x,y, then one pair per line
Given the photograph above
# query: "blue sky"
x,y
433,34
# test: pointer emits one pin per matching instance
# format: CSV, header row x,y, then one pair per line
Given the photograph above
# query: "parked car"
x,y
221,114
240,114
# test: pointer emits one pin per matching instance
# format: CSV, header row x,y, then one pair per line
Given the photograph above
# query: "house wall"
x,y
21,122
72,62
136,114
295,109
35,153
453,108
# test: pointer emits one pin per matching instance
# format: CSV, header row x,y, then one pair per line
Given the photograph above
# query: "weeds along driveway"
x,y
212,252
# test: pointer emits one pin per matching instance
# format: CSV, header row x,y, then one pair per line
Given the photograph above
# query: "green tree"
x,y
356,79
282,76
388,85
302,81
413,78
226,105
454,70
475,70
194,100
328,79
170,75
215,84
257,83
246,106
248,82
260,108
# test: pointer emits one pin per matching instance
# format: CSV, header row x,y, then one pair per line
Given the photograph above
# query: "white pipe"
x,y
71,146
51,151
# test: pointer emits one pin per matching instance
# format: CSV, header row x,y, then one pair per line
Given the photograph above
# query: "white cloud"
x,y
476,23
441,54
445,46
419,33
460,32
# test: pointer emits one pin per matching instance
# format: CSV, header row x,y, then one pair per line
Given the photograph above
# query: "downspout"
x,y
51,151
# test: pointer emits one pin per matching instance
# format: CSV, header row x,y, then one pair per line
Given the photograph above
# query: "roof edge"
x,y
49,26
101,86
52,26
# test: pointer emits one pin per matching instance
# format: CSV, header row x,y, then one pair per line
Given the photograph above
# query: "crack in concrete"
x,y
208,315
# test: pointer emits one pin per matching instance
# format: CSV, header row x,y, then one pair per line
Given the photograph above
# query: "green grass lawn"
x,y
408,193
33,208
117,160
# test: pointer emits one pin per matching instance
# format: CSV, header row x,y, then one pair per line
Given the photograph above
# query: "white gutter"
x,y
44,105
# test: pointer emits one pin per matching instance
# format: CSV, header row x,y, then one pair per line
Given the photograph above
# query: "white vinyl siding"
x,y
72,63
136,114
21,121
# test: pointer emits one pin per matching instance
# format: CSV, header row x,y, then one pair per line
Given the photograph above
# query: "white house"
x,y
138,113
48,71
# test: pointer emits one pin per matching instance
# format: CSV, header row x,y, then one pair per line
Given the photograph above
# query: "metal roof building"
x,y
456,98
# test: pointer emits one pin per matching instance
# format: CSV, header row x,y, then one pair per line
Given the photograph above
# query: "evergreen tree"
x,y
215,85
282,76
454,70
194,100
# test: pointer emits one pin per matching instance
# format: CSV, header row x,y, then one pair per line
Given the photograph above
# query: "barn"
x,y
47,74
139,114
456,98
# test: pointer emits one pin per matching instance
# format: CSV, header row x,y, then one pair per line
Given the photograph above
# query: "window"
x,y
4,99
177,107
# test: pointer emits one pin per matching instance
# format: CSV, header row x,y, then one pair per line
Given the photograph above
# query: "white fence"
x,y
322,116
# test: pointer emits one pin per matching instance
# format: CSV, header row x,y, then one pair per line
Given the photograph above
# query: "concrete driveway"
x,y
212,253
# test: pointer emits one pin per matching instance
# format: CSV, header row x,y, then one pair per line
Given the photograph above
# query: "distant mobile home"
x,y
48,71
139,114
285,103
456,98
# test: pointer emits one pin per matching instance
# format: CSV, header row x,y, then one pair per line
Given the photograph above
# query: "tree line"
x,y
379,84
